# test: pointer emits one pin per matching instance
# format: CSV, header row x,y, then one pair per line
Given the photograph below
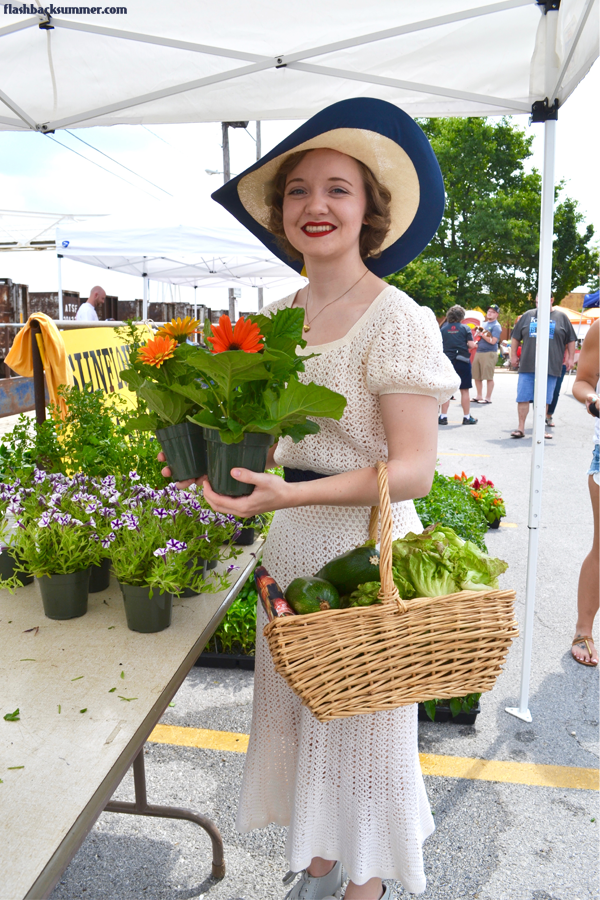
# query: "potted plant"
x,y
58,536
460,710
159,541
11,572
233,644
251,395
154,368
487,497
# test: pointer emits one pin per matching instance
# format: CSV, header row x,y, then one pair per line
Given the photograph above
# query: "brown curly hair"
x,y
378,214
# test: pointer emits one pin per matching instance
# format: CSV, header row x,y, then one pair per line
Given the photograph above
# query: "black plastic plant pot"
x,y
145,613
247,535
249,453
494,524
100,576
444,714
188,592
8,564
65,596
185,449
211,564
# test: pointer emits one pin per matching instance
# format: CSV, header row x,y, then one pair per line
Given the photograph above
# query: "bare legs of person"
x,y
370,890
522,412
479,389
588,592
465,402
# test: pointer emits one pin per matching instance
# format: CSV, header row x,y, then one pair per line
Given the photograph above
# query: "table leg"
x,y
141,807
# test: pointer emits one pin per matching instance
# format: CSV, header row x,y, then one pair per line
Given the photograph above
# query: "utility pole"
x,y
225,126
258,156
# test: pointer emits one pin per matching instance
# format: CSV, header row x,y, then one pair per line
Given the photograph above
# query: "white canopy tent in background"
x,y
231,61
179,255
21,230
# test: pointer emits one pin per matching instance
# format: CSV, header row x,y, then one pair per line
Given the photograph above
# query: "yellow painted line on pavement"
x,y
481,455
532,774
199,737
508,525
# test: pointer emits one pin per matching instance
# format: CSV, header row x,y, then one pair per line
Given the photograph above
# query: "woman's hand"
x,y
270,493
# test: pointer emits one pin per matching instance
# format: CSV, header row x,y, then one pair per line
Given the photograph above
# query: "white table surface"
x,y
73,760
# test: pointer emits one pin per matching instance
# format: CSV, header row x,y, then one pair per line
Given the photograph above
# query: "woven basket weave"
x,y
348,662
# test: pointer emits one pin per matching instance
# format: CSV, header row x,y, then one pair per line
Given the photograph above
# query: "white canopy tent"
x,y
179,255
22,230
265,60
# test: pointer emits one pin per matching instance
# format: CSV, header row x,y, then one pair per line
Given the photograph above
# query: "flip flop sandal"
x,y
549,437
584,640
478,401
486,401
517,434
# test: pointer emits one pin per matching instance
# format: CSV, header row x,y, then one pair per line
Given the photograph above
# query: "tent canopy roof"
x,y
200,257
188,64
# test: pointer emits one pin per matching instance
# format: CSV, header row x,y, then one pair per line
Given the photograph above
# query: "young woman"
x,y
585,389
351,791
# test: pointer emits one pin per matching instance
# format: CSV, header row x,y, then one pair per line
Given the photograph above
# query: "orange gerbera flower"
x,y
179,329
245,336
157,351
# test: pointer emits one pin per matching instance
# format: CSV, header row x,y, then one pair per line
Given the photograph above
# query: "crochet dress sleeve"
x,y
406,355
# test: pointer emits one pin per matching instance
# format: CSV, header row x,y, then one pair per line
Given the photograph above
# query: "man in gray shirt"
x,y
562,337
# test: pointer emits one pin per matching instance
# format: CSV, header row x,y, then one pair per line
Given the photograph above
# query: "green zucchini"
x,y
355,567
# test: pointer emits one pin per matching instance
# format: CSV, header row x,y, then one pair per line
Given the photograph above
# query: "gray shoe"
x,y
387,894
309,888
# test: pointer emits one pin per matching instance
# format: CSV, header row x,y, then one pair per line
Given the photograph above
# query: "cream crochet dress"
x,y
351,789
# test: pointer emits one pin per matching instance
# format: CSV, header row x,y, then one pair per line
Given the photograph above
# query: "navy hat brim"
x,y
369,119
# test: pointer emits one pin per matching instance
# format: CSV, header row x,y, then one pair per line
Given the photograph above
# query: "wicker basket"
x,y
347,662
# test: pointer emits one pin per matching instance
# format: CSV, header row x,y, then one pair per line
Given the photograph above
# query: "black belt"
x,y
295,475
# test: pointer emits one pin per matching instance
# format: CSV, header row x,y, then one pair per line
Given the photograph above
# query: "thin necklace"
x,y
308,322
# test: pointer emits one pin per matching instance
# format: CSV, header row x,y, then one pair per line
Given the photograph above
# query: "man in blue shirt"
x,y
484,364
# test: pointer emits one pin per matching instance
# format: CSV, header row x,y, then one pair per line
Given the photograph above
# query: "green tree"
x,y
486,248
574,258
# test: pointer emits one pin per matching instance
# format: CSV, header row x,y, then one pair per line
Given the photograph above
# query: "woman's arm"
x,y
410,423
588,367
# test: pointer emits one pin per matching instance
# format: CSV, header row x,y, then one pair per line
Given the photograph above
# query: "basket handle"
x,y
388,592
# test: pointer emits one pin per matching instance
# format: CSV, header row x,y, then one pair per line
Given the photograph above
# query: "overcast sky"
x,y
37,174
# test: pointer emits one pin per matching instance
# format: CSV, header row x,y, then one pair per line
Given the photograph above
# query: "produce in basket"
x,y
355,567
310,595
433,564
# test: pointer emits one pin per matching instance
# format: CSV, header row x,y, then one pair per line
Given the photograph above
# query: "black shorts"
x,y
464,370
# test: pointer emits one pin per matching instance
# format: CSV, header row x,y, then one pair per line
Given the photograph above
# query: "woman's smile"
x,y
318,229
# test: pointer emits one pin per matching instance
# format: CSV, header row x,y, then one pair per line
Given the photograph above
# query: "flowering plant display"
x,y
156,364
59,526
249,380
486,495
160,539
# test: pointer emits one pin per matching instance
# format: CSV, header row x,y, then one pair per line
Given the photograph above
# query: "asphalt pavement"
x,y
493,840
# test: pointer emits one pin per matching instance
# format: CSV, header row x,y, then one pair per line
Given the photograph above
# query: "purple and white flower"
x,y
131,522
107,541
161,551
133,476
160,512
116,524
39,476
176,546
44,520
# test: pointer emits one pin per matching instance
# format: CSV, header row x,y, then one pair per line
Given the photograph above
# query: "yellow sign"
x,y
97,357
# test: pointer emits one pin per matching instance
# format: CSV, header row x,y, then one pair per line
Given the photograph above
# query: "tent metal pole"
x,y
145,300
539,410
60,290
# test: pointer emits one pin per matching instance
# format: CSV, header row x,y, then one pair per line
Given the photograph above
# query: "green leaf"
x,y
12,717
132,379
59,709
123,673
78,677
145,422
430,706
84,710
112,690
172,408
300,400
128,699
13,768
192,391
231,367
455,706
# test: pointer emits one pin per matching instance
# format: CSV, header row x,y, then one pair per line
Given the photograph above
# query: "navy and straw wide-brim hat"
x,y
386,140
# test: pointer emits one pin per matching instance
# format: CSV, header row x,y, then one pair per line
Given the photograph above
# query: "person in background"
x,y
87,311
484,364
585,389
552,406
458,341
562,338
